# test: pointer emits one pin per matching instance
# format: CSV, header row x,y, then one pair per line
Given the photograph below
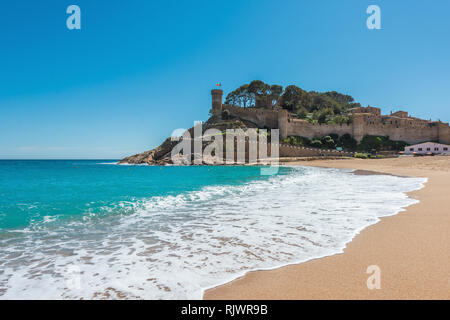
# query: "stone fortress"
x,y
399,126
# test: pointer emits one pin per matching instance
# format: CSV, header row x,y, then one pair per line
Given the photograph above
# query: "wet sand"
x,y
412,248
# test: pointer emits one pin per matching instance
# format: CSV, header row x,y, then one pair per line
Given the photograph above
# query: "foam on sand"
x,y
174,247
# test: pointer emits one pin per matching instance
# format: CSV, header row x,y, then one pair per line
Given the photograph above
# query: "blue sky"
x,y
137,70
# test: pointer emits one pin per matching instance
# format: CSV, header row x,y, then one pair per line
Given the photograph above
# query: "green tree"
x,y
296,100
258,90
294,97
339,97
239,97
275,92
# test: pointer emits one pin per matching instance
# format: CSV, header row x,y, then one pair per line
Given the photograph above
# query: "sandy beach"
x,y
412,248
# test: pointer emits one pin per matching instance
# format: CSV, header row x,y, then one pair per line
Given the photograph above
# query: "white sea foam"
x,y
124,164
174,247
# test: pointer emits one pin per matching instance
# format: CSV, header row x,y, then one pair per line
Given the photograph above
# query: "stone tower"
x,y
283,123
358,127
216,102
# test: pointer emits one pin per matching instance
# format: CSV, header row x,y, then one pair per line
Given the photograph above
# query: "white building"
x,y
428,147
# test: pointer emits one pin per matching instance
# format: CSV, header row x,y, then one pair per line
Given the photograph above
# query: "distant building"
x,y
400,114
369,109
428,147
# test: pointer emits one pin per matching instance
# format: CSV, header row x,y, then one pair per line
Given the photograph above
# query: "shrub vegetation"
x,y
369,144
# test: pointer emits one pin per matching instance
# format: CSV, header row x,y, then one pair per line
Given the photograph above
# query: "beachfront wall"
x,y
251,151
428,147
296,151
284,150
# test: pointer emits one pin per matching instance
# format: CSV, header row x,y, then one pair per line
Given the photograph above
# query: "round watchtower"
x,y
216,102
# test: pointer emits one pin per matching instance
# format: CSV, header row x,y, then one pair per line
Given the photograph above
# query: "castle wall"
x,y
283,123
284,150
410,130
411,135
295,151
358,127
261,117
400,129
444,133
298,127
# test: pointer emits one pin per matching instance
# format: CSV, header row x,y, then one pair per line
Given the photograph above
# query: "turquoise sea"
x,y
34,191
72,229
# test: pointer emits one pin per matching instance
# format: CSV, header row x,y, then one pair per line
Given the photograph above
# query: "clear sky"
x,y
137,70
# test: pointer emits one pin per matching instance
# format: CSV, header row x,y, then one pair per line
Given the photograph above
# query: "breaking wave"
x,y
174,247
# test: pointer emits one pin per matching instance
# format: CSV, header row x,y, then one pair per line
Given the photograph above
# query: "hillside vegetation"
x,y
318,107
347,142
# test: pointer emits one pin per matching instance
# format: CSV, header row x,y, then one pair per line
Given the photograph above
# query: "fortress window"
x,y
411,149
445,149
436,149
428,149
420,149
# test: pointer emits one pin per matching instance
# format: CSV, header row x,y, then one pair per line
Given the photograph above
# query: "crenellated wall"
x,y
398,128
286,150
261,117
411,134
298,127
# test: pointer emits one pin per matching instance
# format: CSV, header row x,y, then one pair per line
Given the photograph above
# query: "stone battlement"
x,y
398,126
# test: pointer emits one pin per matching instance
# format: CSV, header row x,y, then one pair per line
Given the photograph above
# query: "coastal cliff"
x,y
161,155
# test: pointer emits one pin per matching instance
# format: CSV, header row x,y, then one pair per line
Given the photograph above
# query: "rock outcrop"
x,y
161,155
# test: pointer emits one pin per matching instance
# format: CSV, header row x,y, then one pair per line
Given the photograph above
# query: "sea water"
x,y
95,230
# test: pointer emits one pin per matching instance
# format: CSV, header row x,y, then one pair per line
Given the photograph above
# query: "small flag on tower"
x,y
219,84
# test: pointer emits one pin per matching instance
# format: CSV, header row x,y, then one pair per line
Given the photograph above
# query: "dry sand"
x,y
411,248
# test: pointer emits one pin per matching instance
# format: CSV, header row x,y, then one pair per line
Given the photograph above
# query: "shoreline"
x,y
412,247
355,234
